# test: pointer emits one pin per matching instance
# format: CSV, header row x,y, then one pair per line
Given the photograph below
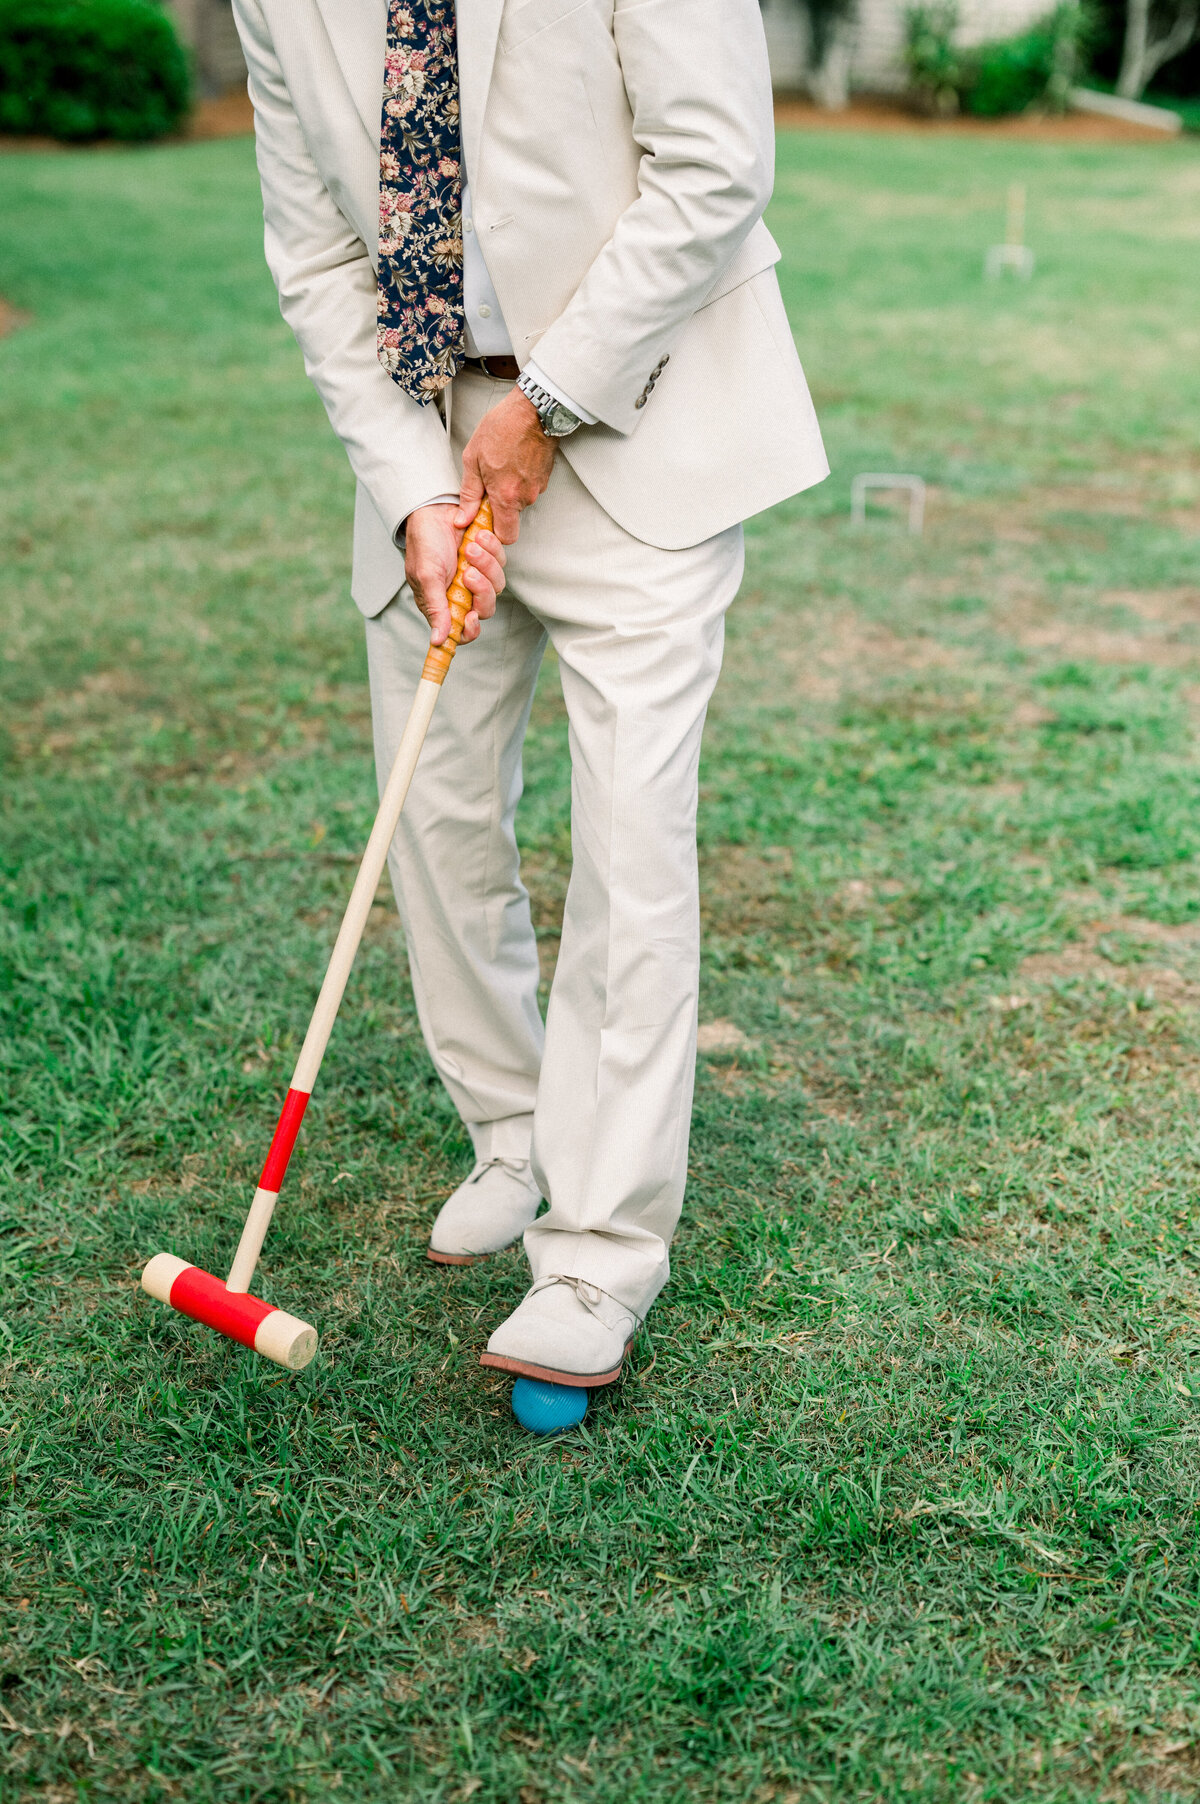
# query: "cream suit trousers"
x,y
638,632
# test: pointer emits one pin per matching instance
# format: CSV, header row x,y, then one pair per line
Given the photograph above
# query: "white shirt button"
x,y
485,311
468,225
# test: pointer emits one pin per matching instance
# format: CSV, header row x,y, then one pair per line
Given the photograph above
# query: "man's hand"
x,y
431,539
509,459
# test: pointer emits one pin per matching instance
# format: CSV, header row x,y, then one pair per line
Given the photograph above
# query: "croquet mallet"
x,y
229,1307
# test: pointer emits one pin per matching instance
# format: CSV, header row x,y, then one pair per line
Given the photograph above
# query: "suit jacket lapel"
x,y
358,32
478,28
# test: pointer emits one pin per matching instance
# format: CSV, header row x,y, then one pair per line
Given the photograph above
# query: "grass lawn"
x,y
900,1496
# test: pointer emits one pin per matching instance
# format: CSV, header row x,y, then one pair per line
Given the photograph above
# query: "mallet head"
x,y
270,1331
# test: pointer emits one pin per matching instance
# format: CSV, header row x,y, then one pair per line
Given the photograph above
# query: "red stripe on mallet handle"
x,y
229,1307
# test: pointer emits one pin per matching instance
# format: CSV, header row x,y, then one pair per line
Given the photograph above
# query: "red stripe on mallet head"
x,y
229,1307
272,1332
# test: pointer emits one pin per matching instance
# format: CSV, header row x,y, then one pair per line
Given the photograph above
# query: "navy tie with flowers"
x,y
421,320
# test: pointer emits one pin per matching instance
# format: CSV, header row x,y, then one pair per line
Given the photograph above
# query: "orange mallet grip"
x,y
437,659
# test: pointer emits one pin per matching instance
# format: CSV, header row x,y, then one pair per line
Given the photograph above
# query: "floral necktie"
x,y
421,319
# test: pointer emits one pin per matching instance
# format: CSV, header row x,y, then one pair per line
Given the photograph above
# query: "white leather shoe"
x,y
565,1331
488,1211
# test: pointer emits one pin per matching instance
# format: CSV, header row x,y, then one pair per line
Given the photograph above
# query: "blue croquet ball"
x,y
547,1408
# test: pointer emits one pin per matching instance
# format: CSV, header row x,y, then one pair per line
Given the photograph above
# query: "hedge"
x,y
1035,69
79,69
1008,76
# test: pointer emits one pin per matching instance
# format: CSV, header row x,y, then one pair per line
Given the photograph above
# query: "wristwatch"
x,y
556,420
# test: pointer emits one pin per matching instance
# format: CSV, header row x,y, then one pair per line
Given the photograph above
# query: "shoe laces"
x,y
482,1166
590,1295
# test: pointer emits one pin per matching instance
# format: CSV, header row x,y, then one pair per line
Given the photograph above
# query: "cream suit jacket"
x,y
620,155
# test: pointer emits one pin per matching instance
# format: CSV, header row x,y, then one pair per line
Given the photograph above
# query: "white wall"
x,y
878,65
207,27
787,41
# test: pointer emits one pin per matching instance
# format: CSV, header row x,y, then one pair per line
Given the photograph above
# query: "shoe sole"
x,y
436,1258
523,1368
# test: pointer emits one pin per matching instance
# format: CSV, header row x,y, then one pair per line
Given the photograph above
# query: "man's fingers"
x,y
487,541
469,496
439,624
431,599
506,518
482,562
483,593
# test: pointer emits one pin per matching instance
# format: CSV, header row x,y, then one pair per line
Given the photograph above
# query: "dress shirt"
x,y
486,333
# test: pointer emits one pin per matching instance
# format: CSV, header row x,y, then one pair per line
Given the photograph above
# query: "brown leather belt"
x,y
505,369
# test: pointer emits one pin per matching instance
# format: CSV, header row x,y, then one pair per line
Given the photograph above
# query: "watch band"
x,y
547,407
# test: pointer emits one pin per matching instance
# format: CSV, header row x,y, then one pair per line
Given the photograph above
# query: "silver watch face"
x,y
558,420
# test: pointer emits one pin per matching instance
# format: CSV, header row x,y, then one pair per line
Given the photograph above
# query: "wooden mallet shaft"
x,y
229,1307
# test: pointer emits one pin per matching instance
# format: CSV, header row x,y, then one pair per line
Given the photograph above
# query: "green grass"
x,y
900,1496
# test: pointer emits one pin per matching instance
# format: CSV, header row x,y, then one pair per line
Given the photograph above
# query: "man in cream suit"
x,y
520,244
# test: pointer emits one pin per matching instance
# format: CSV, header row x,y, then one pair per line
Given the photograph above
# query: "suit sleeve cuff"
x,y
434,501
537,374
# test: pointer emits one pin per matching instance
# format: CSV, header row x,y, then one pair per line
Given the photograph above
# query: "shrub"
x,y
1035,68
77,69
1008,77
934,65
